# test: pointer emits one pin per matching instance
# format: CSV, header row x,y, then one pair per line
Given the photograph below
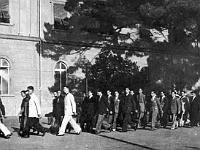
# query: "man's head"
x,y
23,93
108,92
140,90
132,92
99,93
116,94
127,90
90,93
55,94
162,93
153,94
173,94
183,93
66,90
30,90
58,92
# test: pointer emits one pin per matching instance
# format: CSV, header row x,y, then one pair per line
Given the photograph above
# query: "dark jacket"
x,y
127,104
25,106
141,98
58,106
195,106
164,103
103,105
2,109
110,103
88,106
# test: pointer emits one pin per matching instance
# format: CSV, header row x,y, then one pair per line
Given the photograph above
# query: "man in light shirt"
x,y
34,114
70,110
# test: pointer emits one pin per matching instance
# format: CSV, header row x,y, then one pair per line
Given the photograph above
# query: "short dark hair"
x,y
30,88
23,91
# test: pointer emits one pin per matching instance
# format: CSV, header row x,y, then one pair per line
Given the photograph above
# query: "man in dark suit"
x,y
164,103
103,107
194,109
88,112
58,108
127,107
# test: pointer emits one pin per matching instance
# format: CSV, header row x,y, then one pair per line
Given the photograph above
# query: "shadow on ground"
x,y
127,142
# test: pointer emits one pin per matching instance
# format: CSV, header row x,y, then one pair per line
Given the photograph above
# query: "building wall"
x,y
19,45
24,70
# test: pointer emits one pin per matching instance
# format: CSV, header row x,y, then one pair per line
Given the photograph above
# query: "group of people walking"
x,y
174,109
63,110
111,112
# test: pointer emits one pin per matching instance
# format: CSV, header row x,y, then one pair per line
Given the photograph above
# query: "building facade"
x,y
23,26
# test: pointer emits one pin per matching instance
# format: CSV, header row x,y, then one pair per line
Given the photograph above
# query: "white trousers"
x,y
68,119
4,129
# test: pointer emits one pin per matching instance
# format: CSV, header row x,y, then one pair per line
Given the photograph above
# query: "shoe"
x,y
60,134
114,130
152,129
25,136
7,137
97,132
43,133
78,133
10,134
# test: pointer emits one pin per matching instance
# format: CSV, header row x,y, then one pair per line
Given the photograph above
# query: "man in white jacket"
x,y
70,110
6,133
34,114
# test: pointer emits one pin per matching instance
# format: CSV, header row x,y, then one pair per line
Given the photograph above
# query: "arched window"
x,y
60,75
4,76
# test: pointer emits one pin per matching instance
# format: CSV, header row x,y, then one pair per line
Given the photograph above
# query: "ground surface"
x,y
162,139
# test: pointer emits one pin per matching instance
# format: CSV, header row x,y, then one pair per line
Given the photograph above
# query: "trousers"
x,y
99,122
154,117
33,122
68,119
4,129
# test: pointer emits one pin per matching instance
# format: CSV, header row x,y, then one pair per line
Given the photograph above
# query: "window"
x,y
4,76
4,11
60,75
60,16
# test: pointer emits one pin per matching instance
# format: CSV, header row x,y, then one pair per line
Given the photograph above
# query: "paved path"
x,y
162,139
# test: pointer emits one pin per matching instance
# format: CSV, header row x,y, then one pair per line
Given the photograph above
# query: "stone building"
x,y
23,25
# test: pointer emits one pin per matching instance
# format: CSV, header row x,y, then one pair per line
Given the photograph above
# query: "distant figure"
x,y
110,111
175,110
194,109
58,107
103,106
155,109
141,98
116,110
6,133
164,103
88,112
127,107
70,110
23,114
33,115
2,112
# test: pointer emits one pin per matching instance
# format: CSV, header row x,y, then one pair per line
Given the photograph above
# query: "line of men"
x,y
137,110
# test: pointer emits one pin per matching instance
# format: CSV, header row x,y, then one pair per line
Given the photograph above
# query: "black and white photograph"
x,y
99,74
